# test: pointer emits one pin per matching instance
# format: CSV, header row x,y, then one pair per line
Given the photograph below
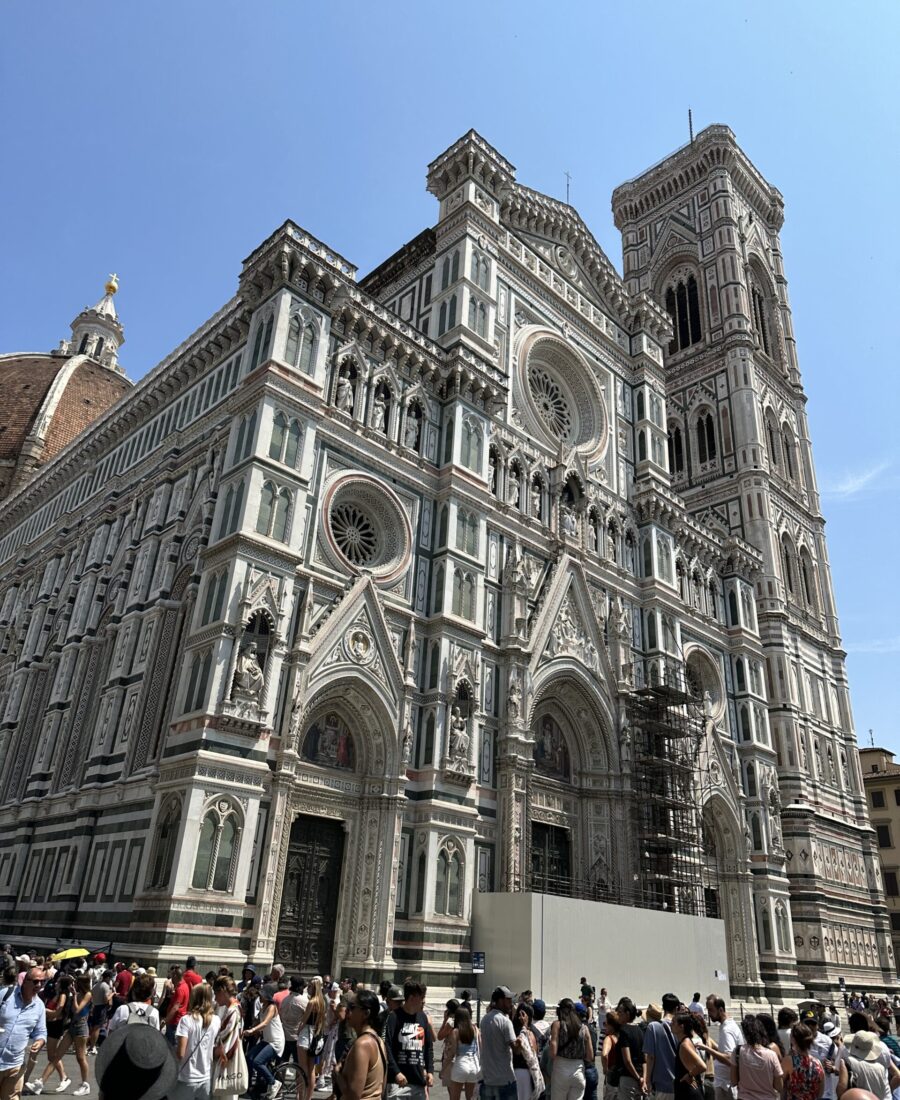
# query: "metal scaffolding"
x,y
668,775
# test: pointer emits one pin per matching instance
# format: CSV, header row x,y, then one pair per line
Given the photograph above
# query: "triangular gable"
x,y
356,638
568,625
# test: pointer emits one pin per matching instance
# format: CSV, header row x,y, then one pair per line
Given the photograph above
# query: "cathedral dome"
x,y
47,401
50,398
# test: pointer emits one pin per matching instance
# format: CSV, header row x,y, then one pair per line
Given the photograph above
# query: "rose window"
x,y
550,402
366,527
355,533
562,394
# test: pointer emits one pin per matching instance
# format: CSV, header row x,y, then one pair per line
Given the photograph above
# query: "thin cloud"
x,y
875,645
854,484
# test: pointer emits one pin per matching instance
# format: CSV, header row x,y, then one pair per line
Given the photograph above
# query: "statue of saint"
x,y
248,675
513,698
406,747
512,487
459,737
536,509
569,522
411,431
344,395
379,412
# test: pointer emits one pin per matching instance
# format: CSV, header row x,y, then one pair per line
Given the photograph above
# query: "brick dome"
x,y
47,401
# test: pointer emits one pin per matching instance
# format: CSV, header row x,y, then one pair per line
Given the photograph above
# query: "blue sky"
x,y
164,141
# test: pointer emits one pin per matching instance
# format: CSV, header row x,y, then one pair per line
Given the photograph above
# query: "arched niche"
x,y
329,743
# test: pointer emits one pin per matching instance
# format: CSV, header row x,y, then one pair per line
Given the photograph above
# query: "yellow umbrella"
x,y
70,953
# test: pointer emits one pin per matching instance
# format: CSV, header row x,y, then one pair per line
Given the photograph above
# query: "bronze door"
x,y
309,900
551,871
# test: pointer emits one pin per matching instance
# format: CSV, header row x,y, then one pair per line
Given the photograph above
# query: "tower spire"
x,y
97,330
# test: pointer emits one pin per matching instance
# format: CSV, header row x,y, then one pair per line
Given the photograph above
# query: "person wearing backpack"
x,y
660,1050
139,1010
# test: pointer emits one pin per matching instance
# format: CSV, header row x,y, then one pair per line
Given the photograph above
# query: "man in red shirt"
x,y
190,974
178,1003
123,981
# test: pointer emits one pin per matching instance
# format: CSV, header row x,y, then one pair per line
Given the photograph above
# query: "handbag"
x,y
233,1077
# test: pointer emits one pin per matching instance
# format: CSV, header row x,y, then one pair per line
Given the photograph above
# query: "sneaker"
x,y
83,1089
35,1088
92,1050
274,1090
63,1085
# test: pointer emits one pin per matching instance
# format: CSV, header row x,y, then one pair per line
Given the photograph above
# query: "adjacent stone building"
x,y
492,571
881,777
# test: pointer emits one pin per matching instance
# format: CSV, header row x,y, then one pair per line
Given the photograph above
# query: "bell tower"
x,y
700,234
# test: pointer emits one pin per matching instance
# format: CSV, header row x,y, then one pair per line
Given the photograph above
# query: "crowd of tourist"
x,y
218,1035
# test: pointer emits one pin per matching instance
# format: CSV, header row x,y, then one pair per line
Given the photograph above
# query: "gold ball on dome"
x,y
112,284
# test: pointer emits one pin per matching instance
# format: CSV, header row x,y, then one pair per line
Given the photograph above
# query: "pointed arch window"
x,y
683,306
790,452
676,449
166,841
765,921
198,681
216,861
245,436
279,431
448,883
274,512
231,513
760,320
788,561
214,604
301,341
808,580
706,437
773,437
471,444
82,347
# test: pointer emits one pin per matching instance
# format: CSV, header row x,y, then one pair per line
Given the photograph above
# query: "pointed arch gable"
x,y
569,583
372,725
356,640
582,712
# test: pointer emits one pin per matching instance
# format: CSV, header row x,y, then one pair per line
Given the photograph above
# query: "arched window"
x,y
457,605
773,437
82,347
217,850
213,605
756,832
741,674
274,511
642,446
648,558
640,413
198,681
706,437
676,450
292,444
454,267
231,513
245,436
751,781
808,580
683,306
292,346
445,273
469,597
471,444
266,508
279,431
166,842
98,350
420,881
790,452
746,729
765,921
262,343
760,321
282,515
788,562
448,883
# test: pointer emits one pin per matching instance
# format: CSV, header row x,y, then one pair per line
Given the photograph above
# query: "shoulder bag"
x,y
232,1078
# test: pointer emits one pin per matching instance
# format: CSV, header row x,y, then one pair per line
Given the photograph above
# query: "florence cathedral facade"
x,y
494,570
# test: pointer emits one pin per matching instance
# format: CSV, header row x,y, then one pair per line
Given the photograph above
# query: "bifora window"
x,y
683,307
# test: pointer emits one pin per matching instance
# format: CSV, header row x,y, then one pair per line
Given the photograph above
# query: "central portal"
x,y
551,869
309,899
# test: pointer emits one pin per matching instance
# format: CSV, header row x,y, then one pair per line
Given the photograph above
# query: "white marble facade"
x,y
375,565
